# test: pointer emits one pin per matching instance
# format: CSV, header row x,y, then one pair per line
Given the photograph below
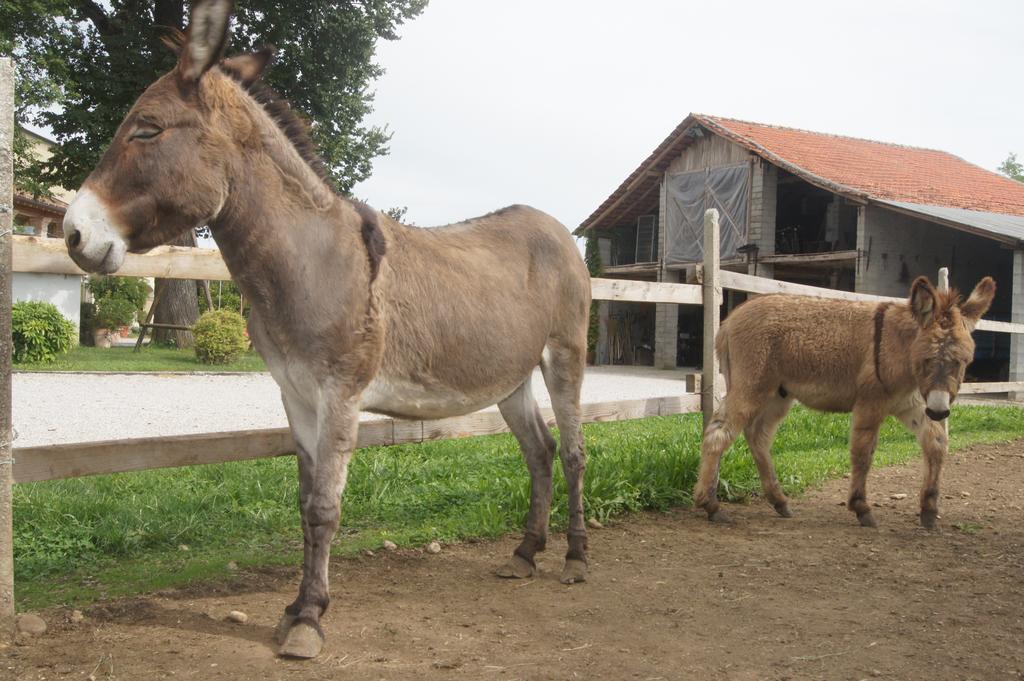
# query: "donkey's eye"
x,y
146,133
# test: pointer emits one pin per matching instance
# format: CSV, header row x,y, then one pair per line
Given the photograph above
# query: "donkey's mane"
x,y
296,128
293,124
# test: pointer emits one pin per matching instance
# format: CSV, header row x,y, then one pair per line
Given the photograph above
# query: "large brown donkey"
x,y
871,359
350,309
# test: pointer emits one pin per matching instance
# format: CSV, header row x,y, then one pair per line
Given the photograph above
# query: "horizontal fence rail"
x,y
50,256
56,462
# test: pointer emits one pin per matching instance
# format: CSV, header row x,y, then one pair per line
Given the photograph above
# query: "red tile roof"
x,y
845,165
877,169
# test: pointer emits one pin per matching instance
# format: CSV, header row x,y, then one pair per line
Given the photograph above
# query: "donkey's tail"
x,y
722,350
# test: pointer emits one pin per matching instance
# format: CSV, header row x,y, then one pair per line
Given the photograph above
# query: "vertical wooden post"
x,y
6,348
1017,317
944,286
711,390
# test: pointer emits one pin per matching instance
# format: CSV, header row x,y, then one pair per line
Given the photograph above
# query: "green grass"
x,y
77,540
83,358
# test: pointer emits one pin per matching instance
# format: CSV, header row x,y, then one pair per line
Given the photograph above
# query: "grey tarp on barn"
x,y
689,195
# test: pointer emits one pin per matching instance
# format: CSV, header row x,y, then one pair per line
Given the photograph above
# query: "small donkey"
x,y
871,359
350,310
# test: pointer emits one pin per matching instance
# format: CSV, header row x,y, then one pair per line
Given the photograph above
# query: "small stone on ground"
x,y
389,545
898,497
238,616
595,523
31,624
433,547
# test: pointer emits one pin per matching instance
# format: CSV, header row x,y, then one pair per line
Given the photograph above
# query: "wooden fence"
x,y
31,254
51,462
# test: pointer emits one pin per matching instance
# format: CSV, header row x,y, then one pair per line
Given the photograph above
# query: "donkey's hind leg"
x,y
727,423
865,423
562,365
760,434
524,420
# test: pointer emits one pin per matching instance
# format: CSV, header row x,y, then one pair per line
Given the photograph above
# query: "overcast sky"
x,y
554,102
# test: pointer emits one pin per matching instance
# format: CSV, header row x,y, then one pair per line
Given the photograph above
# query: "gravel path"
x,y
52,408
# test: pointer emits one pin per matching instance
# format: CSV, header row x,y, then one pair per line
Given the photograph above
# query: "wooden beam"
x,y
635,268
988,388
6,349
1001,327
800,258
645,291
34,254
745,282
54,462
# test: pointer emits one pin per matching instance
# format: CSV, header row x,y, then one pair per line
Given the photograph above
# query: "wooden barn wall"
x,y
709,151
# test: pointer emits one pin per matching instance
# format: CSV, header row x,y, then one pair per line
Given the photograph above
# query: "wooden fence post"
x,y
6,348
711,390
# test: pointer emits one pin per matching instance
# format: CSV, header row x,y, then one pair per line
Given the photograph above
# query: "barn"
x,y
805,207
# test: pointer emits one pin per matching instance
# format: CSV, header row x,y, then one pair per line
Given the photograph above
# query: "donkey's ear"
x,y
978,304
249,68
207,34
922,300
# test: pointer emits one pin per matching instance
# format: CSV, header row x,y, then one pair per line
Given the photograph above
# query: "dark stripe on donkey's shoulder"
x,y
373,237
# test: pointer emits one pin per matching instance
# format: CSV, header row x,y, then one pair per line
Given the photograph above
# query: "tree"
x,y
82,63
1012,168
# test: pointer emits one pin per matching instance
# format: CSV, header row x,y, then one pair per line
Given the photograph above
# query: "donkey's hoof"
x,y
575,571
517,567
928,519
783,510
720,516
867,519
283,626
303,640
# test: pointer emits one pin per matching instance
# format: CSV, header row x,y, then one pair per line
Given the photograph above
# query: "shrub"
x,y
113,313
219,337
39,331
133,289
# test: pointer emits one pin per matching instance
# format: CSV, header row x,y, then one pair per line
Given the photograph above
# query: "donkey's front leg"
x,y
931,435
863,441
338,425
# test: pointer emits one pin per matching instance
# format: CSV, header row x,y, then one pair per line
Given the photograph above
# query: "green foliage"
x,y
82,65
225,294
25,34
592,257
113,313
135,290
1012,168
123,531
40,332
220,337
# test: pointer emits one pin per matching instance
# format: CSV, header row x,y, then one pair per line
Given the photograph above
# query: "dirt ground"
x,y
670,597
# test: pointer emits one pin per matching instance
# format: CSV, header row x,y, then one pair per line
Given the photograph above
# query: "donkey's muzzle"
x,y
936,415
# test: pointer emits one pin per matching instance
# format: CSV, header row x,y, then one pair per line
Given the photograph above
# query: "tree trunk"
x,y
178,304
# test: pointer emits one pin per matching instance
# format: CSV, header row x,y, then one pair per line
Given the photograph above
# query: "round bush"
x,y
219,337
113,313
40,332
